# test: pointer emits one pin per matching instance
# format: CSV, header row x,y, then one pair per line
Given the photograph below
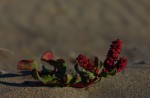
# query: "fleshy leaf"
x,y
96,71
113,72
61,68
78,79
101,64
69,78
45,70
46,56
45,79
27,65
91,75
34,74
104,74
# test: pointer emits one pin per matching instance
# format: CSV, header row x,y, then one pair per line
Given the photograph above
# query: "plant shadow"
x,y
10,75
23,84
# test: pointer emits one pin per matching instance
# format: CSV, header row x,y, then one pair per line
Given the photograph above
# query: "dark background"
x,y
70,27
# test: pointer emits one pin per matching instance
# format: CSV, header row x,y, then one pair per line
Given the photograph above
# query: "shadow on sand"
x,y
23,84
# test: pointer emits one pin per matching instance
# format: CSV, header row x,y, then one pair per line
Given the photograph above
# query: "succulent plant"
x,y
87,70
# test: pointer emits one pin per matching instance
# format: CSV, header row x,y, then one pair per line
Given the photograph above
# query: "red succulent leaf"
x,y
96,71
46,56
104,71
27,65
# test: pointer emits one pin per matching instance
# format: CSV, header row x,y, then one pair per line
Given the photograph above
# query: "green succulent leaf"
x,y
78,79
113,72
45,79
27,65
61,68
104,74
84,77
101,64
34,74
46,70
91,75
69,78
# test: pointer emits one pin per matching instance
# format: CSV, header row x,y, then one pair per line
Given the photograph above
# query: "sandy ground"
x,y
132,83
70,27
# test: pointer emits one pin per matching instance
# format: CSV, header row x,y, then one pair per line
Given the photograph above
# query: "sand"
x,y
134,82
70,27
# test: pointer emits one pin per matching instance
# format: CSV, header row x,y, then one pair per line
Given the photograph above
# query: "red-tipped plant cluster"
x,y
89,72
120,65
84,62
112,57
